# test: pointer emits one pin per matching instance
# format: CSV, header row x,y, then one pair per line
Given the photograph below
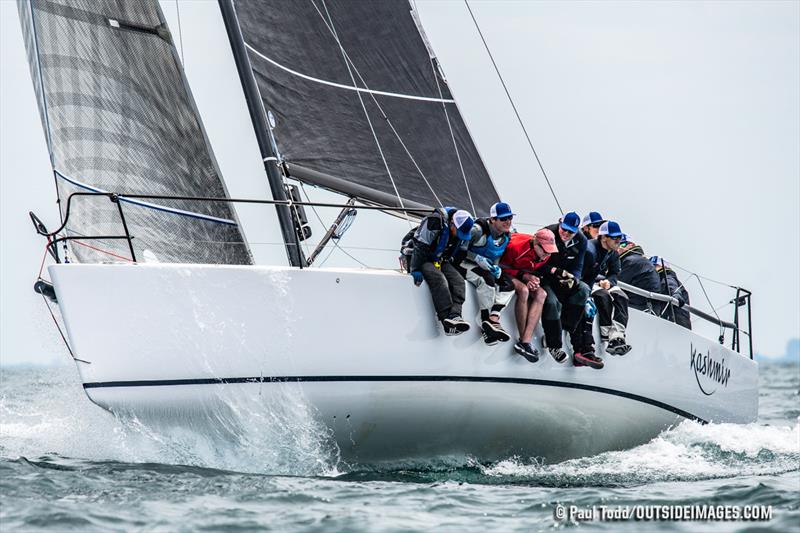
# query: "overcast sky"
x,y
679,119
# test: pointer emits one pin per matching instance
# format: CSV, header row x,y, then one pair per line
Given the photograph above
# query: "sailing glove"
x,y
417,275
495,270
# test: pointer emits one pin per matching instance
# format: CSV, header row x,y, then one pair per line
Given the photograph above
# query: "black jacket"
x,y
570,254
638,271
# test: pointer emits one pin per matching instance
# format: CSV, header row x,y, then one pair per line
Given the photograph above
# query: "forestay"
x,y
119,117
359,96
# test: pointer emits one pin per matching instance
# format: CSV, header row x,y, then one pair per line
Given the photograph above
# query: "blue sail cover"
x,y
119,117
375,111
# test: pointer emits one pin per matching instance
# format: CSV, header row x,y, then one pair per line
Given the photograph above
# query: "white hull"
x,y
363,349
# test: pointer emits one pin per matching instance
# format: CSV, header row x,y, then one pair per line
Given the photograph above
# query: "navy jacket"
x,y
638,271
599,263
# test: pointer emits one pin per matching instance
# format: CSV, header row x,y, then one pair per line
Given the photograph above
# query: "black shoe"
x,y
454,325
618,347
587,359
498,332
489,334
527,351
558,354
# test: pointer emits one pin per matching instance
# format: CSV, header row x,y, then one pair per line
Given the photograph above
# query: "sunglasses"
x,y
505,219
596,225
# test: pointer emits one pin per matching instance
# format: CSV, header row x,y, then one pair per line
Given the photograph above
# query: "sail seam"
x,y
149,205
348,87
378,105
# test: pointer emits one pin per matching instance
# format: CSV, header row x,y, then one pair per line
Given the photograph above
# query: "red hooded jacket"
x,y
520,257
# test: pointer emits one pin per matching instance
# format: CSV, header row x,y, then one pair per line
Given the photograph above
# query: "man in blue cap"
x,y
590,225
600,270
566,293
436,247
481,268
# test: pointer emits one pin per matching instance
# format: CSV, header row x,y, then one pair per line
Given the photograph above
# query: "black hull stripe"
x,y
313,379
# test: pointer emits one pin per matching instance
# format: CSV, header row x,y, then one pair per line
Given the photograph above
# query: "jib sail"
x,y
119,117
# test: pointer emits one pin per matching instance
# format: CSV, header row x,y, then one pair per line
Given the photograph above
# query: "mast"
x,y
258,116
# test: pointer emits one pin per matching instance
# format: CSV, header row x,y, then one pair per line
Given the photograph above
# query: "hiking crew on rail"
x,y
562,275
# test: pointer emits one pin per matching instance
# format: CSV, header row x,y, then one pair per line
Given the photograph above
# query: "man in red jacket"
x,y
523,260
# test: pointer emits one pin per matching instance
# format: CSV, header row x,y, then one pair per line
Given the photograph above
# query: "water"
x,y
67,465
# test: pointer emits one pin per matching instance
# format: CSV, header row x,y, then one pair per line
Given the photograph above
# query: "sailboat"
x,y
169,309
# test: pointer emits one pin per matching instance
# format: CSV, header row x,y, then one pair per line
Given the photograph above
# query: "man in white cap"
x,y
601,267
488,241
590,225
440,241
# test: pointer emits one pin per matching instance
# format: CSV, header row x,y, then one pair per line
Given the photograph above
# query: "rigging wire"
x,y
180,29
513,106
449,124
363,106
350,62
335,241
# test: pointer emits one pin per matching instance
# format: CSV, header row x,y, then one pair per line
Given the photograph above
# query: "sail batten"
x,y
357,96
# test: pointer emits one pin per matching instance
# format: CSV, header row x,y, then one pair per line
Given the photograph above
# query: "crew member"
x,y
488,241
637,270
671,285
590,225
525,260
601,268
436,247
566,293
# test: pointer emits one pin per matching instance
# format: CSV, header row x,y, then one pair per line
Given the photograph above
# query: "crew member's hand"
x,y
495,270
417,275
604,284
533,283
569,282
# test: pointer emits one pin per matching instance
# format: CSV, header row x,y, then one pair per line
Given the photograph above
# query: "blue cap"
x,y
570,222
463,222
610,229
592,218
500,210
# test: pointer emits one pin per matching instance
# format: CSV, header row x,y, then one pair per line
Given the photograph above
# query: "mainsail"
x,y
119,117
361,104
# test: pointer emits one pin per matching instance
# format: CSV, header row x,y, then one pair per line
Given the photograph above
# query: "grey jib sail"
x,y
401,112
119,117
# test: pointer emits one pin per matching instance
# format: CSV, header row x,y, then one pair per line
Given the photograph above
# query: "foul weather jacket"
x,y
600,263
570,254
434,243
520,258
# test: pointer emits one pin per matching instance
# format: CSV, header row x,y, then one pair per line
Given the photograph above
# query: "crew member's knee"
x,y
539,296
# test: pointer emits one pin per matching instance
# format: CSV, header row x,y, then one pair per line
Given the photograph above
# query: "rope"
x,y
112,254
377,104
450,126
514,107
63,337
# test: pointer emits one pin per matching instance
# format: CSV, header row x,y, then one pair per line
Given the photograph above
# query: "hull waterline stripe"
x,y
325,379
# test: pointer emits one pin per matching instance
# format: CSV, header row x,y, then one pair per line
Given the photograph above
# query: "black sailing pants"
x,y
563,310
447,287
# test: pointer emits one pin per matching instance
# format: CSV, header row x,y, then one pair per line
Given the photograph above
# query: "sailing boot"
x,y
489,334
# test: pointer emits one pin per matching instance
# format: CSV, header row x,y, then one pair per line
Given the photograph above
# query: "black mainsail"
x,y
119,117
361,104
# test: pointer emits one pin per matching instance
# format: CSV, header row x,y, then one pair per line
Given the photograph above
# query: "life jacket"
x,y
491,250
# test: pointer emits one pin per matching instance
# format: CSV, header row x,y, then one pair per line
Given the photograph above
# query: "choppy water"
x,y
67,465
